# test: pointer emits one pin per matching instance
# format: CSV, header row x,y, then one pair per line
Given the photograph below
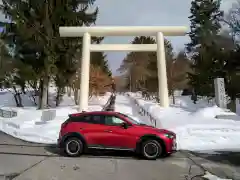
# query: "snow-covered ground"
x,y
196,127
30,125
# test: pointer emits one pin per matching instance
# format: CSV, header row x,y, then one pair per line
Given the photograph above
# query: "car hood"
x,y
152,128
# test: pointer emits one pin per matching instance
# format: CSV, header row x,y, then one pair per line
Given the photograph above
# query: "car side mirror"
x,y
124,125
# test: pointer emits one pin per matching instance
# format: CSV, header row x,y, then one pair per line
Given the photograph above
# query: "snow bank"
x,y
210,176
29,124
196,126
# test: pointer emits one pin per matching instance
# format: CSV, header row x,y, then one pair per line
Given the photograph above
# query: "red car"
x,y
113,131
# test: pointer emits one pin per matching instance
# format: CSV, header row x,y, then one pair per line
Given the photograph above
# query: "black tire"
x,y
154,152
73,147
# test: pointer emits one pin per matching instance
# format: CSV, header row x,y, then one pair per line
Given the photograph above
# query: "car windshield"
x,y
133,121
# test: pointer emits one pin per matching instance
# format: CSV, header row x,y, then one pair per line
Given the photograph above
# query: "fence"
x,y
7,113
142,111
48,115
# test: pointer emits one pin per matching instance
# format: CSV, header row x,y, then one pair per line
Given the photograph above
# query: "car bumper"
x,y
171,146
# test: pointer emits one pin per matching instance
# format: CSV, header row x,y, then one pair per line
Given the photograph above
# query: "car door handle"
x,y
108,131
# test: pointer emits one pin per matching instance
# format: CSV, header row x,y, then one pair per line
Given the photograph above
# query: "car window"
x,y
94,119
97,119
113,121
76,119
131,119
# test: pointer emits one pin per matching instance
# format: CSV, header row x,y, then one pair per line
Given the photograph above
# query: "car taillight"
x,y
64,124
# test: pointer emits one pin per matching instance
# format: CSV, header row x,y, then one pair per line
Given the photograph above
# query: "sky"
x,y
144,13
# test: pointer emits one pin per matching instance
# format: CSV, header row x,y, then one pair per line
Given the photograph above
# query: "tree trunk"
x,y
76,94
17,97
60,92
43,97
232,105
48,99
16,100
34,100
69,91
40,94
58,97
173,96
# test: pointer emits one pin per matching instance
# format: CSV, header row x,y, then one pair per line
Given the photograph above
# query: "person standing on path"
x,y
113,87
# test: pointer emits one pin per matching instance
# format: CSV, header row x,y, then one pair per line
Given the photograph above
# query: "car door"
x,y
93,130
115,136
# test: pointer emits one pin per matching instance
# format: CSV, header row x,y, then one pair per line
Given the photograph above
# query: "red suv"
x,y
114,131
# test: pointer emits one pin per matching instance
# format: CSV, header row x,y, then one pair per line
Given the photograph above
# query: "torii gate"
x,y
102,31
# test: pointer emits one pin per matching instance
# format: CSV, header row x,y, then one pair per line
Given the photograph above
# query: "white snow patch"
x,y
210,176
196,127
28,124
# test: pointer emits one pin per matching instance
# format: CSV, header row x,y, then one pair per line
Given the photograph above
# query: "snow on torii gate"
x,y
102,31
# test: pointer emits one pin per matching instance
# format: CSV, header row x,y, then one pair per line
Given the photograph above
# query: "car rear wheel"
x,y
73,147
151,149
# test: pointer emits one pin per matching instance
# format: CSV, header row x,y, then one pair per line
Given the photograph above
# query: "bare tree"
x,y
177,73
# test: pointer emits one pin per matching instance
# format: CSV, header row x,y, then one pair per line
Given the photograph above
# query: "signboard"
x,y
238,106
220,95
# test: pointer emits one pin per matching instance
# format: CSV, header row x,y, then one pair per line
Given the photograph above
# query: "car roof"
x,y
94,112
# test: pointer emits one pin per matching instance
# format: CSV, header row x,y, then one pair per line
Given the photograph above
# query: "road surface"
x,y
20,160
26,161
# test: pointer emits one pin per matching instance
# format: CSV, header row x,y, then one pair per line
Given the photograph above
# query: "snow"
x,y
199,127
212,177
196,125
39,126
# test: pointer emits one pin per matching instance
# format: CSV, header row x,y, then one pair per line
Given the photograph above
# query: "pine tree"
x,y
99,59
205,27
35,27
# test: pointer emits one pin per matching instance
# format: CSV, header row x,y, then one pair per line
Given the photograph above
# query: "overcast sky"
x,y
144,12
140,13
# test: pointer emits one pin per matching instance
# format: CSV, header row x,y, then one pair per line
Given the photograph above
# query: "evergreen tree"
x,y
203,49
99,59
35,26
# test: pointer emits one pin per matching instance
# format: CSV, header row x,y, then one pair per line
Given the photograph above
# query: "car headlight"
x,y
168,136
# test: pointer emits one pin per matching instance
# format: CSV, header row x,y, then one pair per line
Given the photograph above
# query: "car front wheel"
x,y
73,147
151,149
